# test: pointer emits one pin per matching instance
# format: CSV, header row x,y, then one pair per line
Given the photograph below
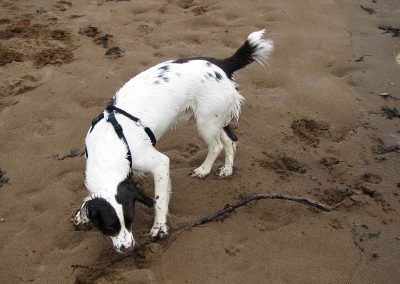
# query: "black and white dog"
x,y
199,87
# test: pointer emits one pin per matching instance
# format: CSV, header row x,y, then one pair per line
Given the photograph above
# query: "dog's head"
x,y
113,215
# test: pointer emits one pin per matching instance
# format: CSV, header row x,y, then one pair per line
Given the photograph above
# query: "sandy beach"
x,y
321,120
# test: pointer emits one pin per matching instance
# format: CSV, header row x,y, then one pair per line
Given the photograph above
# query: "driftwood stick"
x,y
229,208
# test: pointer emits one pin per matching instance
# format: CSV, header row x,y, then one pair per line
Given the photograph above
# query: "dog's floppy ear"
x,y
92,212
100,212
127,192
143,198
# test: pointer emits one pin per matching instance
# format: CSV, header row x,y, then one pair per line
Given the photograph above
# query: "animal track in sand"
x,y
53,56
192,148
105,40
371,178
333,196
145,29
90,102
329,162
343,71
45,129
309,130
185,156
185,4
372,191
26,40
190,155
17,85
272,220
232,250
282,164
266,84
200,10
62,5
9,55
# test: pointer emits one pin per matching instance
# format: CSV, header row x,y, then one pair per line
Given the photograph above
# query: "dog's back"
x,y
162,93
201,85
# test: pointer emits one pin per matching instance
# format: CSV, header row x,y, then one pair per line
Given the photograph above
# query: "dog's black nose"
x,y
127,250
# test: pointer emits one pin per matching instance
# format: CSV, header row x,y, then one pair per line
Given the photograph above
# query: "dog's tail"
x,y
255,48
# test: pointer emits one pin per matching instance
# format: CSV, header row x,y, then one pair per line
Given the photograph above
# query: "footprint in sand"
x,y
282,164
309,130
200,10
232,251
343,71
12,86
45,128
185,4
187,156
371,178
90,102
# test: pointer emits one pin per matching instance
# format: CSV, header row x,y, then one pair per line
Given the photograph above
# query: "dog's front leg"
x,y
162,193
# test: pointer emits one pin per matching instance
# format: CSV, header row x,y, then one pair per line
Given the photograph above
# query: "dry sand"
x,y
312,125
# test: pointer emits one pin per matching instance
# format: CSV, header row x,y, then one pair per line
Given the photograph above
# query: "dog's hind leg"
x,y
230,150
210,131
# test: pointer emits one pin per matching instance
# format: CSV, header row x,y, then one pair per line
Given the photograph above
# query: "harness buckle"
x,y
109,108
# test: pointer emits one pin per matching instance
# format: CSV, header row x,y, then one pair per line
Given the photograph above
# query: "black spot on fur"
x,y
163,71
218,76
186,60
127,195
156,82
163,77
209,75
103,216
164,68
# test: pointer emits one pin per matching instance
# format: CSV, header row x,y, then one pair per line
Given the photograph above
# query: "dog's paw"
x,y
200,172
159,231
225,171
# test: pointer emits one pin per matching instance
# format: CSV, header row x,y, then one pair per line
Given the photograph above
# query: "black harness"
x,y
111,109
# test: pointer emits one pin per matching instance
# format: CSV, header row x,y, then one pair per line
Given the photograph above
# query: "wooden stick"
x,y
229,208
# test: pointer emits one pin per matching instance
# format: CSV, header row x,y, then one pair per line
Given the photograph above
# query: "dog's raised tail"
x,y
255,48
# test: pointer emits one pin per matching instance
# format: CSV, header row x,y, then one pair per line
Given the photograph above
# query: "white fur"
x,y
159,103
264,46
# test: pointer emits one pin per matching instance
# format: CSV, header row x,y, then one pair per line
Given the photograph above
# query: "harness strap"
x,y
118,129
96,120
151,135
112,110
148,131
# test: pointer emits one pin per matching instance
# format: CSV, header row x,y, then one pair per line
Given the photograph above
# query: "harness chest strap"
x,y
111,109
148,131
118,129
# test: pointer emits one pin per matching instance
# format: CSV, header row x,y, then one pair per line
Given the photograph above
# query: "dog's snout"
x,y
127,250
